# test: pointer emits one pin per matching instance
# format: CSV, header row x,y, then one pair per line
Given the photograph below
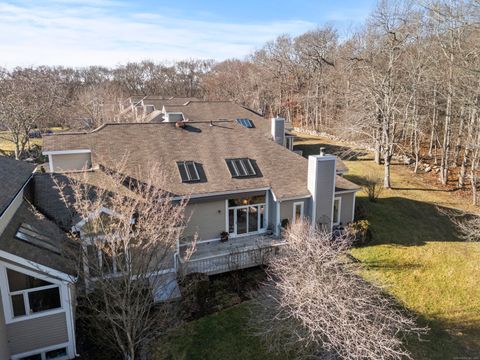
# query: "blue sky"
x,y
111,32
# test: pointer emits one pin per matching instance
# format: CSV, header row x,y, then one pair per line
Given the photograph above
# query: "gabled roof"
x,y
146,143
13,175
26,214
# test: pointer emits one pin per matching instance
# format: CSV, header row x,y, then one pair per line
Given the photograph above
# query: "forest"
x,y
406,84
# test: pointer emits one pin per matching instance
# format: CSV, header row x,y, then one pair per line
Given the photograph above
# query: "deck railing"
x,y
234,260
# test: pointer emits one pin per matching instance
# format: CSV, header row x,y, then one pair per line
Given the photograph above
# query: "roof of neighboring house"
x,y
342,184
219,110
26,214
13,175
160,101
147,143
341,167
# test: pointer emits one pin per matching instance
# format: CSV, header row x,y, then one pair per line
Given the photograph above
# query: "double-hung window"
x,y
30,295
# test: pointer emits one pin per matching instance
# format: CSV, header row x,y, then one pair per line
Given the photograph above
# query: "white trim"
x,y
302,214
5,292
198,196
16,197
346,191
44,350
67,152
50,162
353,209
47,271
339,212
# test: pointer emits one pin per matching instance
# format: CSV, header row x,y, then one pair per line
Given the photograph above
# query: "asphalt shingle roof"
x,y
13,175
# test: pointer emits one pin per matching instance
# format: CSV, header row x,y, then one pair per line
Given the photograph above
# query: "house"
x,y
36,278
234,168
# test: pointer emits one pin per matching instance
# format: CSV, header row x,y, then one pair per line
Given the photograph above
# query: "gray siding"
x,y
347,209
206,219
68,162
286,209
37,333
4,353
321,182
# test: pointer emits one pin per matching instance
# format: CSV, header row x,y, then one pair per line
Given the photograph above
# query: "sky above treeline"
x,y
111,32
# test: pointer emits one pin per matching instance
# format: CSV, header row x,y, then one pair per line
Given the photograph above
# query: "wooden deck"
x,y
237,253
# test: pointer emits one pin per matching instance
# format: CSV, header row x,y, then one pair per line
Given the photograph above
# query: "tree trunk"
x,y
387,161
434,121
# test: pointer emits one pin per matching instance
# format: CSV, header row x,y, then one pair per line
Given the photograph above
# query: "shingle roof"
x,y
63,262
13,175
146,143
216,110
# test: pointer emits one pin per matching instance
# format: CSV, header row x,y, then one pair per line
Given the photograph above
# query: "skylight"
x,y
188,171
242,167
246,122
29,234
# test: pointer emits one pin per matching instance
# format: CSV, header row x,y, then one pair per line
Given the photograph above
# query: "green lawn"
x,y
415,253
221,336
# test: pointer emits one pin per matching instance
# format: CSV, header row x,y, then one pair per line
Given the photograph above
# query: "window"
x,y
29,234
289,142
56,354
297,212
31,295
189,171
174,117
337,204
242,167
246,122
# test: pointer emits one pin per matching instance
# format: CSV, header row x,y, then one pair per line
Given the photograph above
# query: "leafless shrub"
x,y
373,186
128,237
315,304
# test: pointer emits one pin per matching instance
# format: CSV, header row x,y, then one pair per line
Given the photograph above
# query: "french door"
x,y
246,219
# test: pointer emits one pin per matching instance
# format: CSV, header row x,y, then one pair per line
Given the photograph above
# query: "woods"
x,y
405,84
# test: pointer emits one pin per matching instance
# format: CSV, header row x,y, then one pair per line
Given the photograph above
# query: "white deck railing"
x,y
237,259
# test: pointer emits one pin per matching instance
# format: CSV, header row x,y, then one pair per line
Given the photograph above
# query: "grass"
x,y
416,254
9,147
224,335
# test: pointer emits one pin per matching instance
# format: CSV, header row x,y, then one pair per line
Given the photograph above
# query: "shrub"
x,y
373,186
360,231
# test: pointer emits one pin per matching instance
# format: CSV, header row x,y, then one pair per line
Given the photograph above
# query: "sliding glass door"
x,y
246,216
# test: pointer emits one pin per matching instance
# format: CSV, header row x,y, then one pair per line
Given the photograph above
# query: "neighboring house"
x,y
36,278
238,181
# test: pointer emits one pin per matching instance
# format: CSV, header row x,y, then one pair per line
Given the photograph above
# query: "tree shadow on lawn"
x,y
401,221
444,341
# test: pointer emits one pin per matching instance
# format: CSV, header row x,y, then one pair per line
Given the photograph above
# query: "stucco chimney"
x,y
321,184
278,130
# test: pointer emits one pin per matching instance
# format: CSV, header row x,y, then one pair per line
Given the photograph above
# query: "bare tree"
x,y
315,304
27,97
128,239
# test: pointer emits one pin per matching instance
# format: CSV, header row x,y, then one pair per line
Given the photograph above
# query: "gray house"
x,y
36,291
234,167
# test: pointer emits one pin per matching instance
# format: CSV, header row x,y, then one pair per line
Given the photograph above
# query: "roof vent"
x,y
322,151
